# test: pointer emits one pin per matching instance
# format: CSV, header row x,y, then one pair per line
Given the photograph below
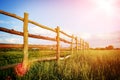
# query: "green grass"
x,y
84,65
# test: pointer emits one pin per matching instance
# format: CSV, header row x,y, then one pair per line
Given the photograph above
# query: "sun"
x,y
105,5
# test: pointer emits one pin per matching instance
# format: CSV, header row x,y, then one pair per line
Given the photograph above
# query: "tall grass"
x,y
84,65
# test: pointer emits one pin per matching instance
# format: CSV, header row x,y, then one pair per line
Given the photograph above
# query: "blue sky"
x,y
93,20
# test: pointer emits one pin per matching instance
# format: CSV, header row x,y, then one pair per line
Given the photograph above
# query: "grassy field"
x,y
84,65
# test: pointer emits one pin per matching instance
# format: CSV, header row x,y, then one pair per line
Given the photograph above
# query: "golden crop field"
x,y
84,65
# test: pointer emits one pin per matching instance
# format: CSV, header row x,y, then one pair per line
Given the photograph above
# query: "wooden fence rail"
x,y
29,46
29,21
25,34
12,31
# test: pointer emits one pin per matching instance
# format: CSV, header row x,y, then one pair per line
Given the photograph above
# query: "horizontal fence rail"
x,y
66,34
22,19
12,31
21,46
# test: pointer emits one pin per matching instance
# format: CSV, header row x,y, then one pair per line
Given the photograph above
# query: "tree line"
x,y
109,47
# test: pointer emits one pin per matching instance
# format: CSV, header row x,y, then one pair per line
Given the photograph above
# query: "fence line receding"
x,y
80,43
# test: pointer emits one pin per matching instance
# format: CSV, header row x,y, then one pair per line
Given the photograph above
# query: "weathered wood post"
x,y
80,44
76,44
58,43
25,47
83,44
22,68
72,44
88,45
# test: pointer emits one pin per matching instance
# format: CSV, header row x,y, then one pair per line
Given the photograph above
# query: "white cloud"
x,y
6,22
40,31
11,40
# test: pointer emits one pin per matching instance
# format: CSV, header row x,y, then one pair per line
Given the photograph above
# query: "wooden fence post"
x,y
87,46
76,44
80,44
58,43
83,44
72,44
25,47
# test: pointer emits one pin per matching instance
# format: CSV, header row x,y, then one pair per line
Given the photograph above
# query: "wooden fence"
x,y
80,44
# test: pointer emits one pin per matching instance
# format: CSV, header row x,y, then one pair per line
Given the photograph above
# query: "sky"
x,y
95,21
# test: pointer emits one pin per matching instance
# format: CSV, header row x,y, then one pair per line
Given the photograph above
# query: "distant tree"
x,y
110,47
117,48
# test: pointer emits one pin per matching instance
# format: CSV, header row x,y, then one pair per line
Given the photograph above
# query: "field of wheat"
x,y
84,65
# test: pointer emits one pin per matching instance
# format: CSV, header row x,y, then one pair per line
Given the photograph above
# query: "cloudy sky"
x,y
95,21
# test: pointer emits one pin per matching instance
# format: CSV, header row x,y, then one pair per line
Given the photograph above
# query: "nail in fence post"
x,y
58,43
25,46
